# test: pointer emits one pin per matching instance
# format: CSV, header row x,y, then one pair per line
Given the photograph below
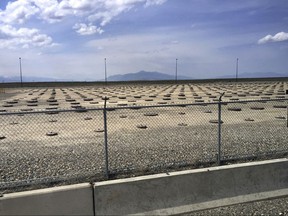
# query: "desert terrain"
x,y
51,134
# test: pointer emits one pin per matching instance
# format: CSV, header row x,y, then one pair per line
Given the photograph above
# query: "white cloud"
x,y
84,29
110,11
77,4
11,37
51,11
115,7
94,12
18,12
281,36
154,2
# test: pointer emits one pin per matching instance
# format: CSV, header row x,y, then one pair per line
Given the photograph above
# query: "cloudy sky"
x,y
69,39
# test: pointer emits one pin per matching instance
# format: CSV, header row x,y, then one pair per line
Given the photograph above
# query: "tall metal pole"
x,y
219,129
106,138
287,114
105,72
287,109
237,69
20,64
176,70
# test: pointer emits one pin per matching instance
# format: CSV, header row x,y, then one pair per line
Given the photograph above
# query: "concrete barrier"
x,y
187,191
170,193
63,200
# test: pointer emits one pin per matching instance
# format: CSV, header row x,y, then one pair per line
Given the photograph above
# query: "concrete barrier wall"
x,y
170,193
186,191
63,200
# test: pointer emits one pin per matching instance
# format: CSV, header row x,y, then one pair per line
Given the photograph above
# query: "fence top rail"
x,y
194,104
17,112
252,101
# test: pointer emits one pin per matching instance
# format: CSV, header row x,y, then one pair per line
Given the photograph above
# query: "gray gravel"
x,y
173,140
28,155
154,151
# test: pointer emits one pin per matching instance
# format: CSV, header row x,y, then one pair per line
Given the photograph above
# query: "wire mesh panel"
x,y
253,129
50,146
148,139
69,145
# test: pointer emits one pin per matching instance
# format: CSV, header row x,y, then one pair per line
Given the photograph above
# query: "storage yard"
x,y
51,134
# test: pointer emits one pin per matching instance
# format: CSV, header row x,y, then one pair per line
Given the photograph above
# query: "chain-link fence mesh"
x,y
149,139
50,146
254,129
64,145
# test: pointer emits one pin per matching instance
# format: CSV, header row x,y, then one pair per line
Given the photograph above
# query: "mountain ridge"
x,y
25,79
142,76
256,75
145,75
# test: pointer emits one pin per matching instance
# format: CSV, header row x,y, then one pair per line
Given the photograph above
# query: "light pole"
x,y
287,109
237,69
105,71
20,65
176,70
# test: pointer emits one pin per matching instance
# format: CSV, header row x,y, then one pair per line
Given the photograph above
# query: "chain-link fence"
x,y
149,139
60,146
257,129
51,146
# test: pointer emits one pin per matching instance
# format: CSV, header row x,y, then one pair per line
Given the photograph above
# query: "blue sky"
x,y
69,39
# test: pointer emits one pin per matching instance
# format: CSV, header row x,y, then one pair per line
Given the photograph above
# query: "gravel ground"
x,y
132,151
277,206
175,139
6,96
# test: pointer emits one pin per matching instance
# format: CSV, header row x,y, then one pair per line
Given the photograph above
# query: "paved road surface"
x,y
268,207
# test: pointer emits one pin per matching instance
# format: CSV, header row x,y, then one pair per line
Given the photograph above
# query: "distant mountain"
x,y
7,79
144,75
257,75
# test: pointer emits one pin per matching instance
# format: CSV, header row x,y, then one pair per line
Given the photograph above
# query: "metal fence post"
x,y
287,113
219,130
106,138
